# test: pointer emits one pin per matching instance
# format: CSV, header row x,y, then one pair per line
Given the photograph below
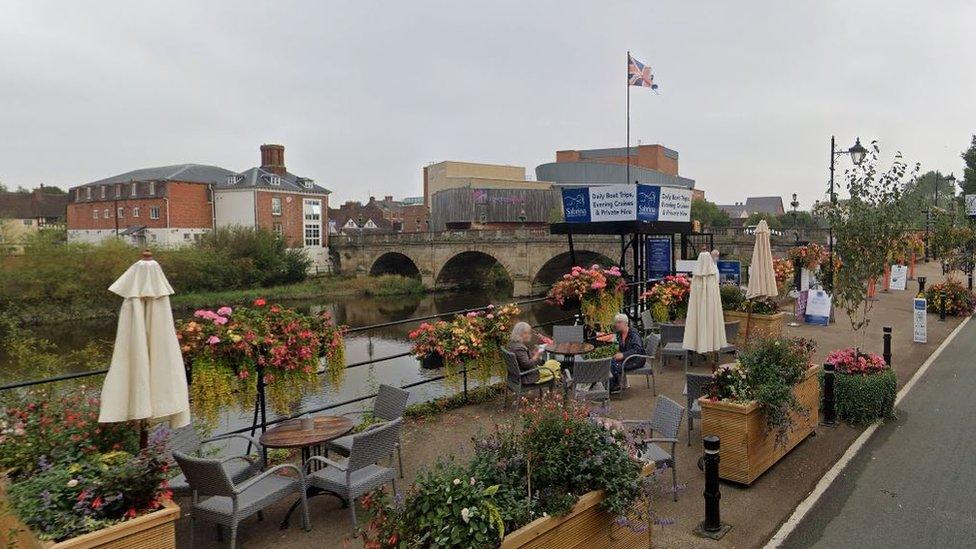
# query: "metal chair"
x,y
227,503
666,422
672,338
390,404
588,373
515,378
731,334
360,473
570,334
695,384
238,467
645,362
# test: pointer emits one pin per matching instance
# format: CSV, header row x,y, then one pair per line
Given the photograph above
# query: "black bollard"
x,y
942,307
921,285
712,526
887,344
829,400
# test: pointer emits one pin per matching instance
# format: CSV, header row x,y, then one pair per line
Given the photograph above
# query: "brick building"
x,y
174,205
353,217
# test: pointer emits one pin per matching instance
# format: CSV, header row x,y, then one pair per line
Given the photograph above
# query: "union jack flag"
x,y
639,74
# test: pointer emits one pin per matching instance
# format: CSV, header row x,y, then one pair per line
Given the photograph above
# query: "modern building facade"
x,y
649,165
480,208
176,205
452,175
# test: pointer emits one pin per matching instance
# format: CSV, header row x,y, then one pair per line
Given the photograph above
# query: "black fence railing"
x,y
632,307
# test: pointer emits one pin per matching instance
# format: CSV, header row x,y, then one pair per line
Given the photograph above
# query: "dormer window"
x,y
135,189
152,188
77,194
306,183
234,179
87,193
102,190
274,180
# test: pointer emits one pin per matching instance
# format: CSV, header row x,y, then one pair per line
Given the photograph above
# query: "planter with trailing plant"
x,y
72,482
865,386
668,299
597,291
467,342
762,406
764,321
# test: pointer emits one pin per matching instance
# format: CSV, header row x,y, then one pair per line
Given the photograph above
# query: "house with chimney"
x,y
25,212
175,205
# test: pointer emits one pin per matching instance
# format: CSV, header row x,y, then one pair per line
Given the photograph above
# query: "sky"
x,y
364,94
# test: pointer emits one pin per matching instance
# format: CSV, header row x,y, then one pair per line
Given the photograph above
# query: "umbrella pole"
x,y
748,323
143,435
260,405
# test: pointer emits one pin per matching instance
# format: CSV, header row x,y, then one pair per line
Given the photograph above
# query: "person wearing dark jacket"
x,y
518,344
628,343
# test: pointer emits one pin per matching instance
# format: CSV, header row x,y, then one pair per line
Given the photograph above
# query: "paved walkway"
x,y
914,483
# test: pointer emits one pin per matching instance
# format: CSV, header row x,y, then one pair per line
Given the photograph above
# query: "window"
x,y
102,189
187,236
152,188
29,222
120,213
275,205
370,224
107,214
118,191
154,212
135,211
274,180
276,227
94,214
313,222
77,194
135,189
87,193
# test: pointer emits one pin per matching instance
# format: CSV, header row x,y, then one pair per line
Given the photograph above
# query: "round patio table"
x,y
290,435
569,349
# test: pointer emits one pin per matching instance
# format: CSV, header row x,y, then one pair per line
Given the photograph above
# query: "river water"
x,y
355,311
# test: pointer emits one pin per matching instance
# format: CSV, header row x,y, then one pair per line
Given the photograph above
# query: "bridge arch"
x,y
394,263
473,268
560,263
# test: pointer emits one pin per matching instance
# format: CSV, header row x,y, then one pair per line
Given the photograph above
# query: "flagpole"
x,y
628,118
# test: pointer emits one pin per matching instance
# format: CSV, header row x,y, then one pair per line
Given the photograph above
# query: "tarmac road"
x,y
914,483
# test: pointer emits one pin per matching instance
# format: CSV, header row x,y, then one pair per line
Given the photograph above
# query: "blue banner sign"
x,y
658,257
729,271
626,203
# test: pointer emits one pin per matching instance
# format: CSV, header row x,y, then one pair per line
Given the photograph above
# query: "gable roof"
x,y
342,218
772,205
32,205
194,173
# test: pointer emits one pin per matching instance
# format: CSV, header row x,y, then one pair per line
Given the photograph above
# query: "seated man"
x,y
628,343
518,344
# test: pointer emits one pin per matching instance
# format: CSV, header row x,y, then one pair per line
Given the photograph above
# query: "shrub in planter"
x,y
865,386
958,301
732,297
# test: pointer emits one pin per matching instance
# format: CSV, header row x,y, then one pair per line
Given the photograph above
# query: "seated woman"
x,y
519,343
628,343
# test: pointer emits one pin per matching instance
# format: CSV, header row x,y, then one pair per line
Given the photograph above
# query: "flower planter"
x,y
155,530
570,305
432,361
757,326
748,449
586,525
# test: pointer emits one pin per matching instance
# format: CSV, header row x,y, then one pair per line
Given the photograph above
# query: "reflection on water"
x,y
360,346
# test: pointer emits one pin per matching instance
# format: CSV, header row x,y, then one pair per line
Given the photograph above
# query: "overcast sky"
x,y
363,94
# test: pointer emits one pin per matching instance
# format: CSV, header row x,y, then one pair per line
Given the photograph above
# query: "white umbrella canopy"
x,y
146,379
705,326
762,279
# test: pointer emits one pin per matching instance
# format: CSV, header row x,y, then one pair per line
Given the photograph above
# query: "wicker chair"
x,y
218,499
645,364
587,373
515,378
572,334
666,423
390,404
648,322
696,384
672,338
731,334
238,467
360,473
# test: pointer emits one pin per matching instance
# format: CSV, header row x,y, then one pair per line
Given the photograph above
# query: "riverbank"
x,y
313,288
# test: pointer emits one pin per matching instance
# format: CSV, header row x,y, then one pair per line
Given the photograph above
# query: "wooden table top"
x,y
569,348
291,435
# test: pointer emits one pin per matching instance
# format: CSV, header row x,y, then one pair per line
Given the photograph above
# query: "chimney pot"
x,y
273,159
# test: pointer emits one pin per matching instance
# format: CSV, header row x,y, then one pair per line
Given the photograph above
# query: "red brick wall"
x,y
190,206
188,202
80,214
648,156
413,214
292,216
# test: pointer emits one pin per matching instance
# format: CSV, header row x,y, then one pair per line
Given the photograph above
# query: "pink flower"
x,y
220,320
224,311
598,285
213,340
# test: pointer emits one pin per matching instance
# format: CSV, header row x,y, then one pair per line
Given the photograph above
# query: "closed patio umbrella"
x,y
146,380
705,326
762,279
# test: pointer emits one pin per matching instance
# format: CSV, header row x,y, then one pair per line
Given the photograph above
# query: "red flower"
x,y
260,302
97,503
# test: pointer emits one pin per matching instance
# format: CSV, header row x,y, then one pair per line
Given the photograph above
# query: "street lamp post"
x,y
857,152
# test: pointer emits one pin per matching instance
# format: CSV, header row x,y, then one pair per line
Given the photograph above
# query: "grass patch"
x,y
477,395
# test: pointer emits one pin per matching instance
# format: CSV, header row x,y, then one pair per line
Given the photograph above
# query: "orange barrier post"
x,y
886,284
911,267
872,286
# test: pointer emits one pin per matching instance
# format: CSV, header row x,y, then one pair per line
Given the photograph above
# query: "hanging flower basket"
x,y
467,341
432,361
597,291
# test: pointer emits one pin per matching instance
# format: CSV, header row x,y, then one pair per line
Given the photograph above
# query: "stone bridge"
x,y
532,258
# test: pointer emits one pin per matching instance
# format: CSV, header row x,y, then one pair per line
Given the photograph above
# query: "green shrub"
x,y
603,351
395,285
863,399
732,297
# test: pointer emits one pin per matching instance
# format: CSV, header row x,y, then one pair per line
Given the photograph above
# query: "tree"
x,y
771,220
865,227
969,173
802,220
708,214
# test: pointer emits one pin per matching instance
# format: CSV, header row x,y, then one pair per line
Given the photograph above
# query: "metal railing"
x,y
631,306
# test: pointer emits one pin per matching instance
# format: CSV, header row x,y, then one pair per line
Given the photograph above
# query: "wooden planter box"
x,y
156,530
586,525
747,448
757,326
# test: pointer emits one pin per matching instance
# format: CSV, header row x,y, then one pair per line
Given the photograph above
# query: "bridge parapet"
x,y
495,235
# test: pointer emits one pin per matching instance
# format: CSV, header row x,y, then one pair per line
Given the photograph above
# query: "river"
x,y
354,311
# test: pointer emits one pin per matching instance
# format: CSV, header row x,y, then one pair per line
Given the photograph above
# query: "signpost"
x,y
659,252
899,277
919,334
